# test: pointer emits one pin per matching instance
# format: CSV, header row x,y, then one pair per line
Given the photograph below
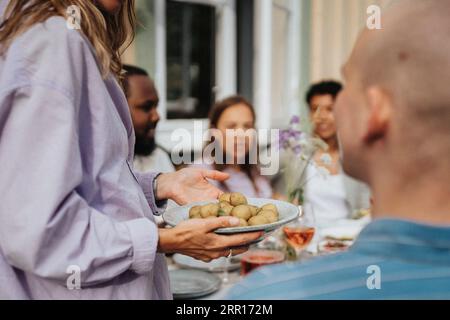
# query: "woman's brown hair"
x,y
108,33
251,170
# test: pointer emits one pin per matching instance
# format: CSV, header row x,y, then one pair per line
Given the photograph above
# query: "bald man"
x,y
393,119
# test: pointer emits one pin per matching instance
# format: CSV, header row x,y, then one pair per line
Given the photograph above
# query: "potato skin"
x,y
243,223
270,215
210,210
270,207
237,199
236,204
258,221
194,213
254,210
242,212
225,209
226,197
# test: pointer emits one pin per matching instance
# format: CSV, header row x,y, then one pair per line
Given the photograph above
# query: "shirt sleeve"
x,y
146,181
46,226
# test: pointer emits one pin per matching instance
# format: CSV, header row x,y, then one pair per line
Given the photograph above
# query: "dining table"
x,y
346,229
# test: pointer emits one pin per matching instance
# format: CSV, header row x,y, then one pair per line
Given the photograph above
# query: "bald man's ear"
x,y
380,111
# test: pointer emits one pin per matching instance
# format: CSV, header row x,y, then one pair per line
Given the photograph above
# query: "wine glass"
x,y
308,217
300,233
226,266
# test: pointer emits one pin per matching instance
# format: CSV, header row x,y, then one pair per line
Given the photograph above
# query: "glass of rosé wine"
x,y
300,233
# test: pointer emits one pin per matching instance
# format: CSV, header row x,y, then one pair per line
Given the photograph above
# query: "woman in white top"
x,y
332,195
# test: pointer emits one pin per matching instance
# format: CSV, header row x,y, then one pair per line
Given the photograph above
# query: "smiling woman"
x,y
235,119
324,176
321,98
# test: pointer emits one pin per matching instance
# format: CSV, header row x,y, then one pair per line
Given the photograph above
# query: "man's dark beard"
x,y
144,146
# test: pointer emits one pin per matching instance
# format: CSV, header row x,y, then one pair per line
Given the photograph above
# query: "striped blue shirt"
x,y
391,259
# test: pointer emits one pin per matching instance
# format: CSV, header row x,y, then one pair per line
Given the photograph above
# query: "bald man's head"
x,y
397,97
410,57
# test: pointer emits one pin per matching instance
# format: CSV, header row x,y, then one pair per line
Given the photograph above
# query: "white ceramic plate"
x,y
192,284
342,232
218,265
288,213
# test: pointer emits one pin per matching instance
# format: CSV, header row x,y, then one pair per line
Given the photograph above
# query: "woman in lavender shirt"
x,y
75,221
227,118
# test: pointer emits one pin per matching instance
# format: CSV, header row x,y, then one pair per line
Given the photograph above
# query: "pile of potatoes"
x,y
236,205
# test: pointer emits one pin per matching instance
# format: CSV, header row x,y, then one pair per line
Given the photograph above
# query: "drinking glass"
x,y
226,266
256,258
300,233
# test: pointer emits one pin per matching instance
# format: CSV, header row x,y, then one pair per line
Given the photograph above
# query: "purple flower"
x,y
284,136
295,120
296,134
283,139
298,150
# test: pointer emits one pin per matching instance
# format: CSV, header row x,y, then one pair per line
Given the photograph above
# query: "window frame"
x,y
226,60
226,80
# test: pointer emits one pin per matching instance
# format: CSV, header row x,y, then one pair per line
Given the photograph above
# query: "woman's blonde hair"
x,y
109,33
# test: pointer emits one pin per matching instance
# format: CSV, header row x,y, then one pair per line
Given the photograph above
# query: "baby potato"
x,y
237,199
243,223
258,221
270,207
242,212
194,213
254,210
225,209
210,210
204,211
226,197
223,213
225,205
270,215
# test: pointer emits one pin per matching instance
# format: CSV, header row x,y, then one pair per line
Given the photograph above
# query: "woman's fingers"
x,y
229,241
239,251
239,240
211,225
215,175
208,256
203,244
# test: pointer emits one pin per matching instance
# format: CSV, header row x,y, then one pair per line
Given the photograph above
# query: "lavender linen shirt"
x,y
68,195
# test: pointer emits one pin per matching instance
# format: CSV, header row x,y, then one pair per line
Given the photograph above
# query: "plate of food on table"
x,y
340,237
255,214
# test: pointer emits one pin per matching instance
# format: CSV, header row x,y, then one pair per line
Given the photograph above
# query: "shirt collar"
x,y
405,240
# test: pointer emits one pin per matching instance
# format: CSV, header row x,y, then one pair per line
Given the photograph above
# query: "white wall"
x,y
335,25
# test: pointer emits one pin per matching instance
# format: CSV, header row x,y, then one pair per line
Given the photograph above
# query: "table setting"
x,y
295,237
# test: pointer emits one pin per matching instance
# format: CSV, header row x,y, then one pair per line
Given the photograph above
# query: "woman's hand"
x,y
189,185
196,238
